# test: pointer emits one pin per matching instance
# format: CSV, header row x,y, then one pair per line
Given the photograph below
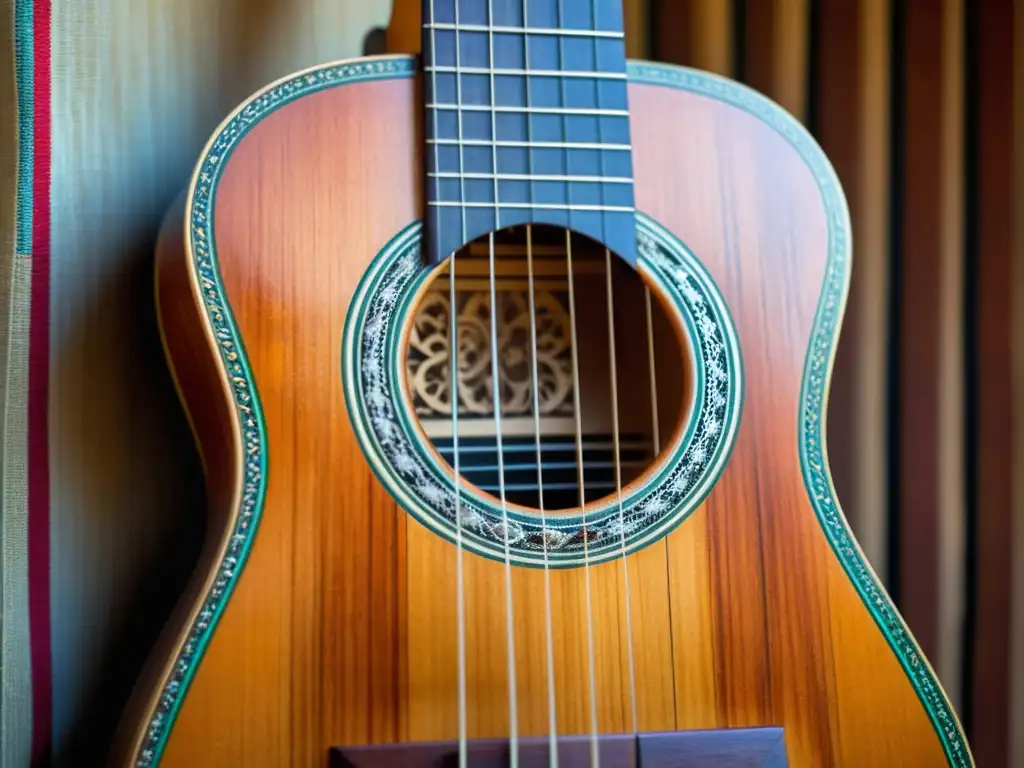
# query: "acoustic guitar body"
x,y
712,584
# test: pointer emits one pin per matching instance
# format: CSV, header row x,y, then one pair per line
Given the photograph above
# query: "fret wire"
x,y
531,177
562,100
529,132
579,154
491,70
574,73
534,206
537,144
458,101
534,110
548,31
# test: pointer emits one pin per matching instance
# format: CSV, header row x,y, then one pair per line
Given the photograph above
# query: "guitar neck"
x,y
527,120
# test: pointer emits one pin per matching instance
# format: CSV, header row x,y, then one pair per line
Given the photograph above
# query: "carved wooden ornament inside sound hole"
x,y
648,343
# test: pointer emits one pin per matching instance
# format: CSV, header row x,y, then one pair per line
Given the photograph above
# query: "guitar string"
x,y
595,758
656,445
496,389
618,480
616,437
509,614
453,354
548,630
655,426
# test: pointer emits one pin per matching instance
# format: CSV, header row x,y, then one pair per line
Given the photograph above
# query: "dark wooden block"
x,y
727,748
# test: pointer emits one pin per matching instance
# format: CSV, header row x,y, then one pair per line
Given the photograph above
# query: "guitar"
x,y
508,364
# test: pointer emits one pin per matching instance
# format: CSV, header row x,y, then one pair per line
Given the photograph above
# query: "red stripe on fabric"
x,y
38,398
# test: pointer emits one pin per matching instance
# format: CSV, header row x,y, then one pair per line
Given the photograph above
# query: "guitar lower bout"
x,y
727,591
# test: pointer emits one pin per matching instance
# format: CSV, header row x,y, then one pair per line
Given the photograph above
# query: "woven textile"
x,y
25,652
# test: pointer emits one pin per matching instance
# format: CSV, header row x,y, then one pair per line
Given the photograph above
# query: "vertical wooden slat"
x,y
791,27
850,116
711,35
758,64
671,20
897,131
837,118
695,33
990,45
776,42
1016,704
636,22
870,282
919,242
950,380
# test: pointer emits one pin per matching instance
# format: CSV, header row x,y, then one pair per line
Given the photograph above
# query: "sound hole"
x,y
649,417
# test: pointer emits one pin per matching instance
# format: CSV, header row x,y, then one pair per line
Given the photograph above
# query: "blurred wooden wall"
x,y
915,102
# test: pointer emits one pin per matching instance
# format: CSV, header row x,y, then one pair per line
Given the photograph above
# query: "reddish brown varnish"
x,y
342,628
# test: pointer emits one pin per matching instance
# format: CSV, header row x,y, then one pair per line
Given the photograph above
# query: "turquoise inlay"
x,y
24,74
817,368
373,360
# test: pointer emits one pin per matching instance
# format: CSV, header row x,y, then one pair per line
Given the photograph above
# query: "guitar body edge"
x,y
314,618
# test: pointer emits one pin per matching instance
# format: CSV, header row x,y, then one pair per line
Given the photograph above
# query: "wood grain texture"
x,y
952,369
1016,682
989,167
341,629
870,277
918,193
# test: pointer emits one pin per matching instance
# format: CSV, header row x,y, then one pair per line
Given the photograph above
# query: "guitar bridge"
x,y
732,748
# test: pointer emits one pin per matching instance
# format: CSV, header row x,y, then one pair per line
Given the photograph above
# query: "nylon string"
x,y
453,354
594,752
655,436
595,758
509,614
618,478
496,388
656,444
548,629
549,633
615,422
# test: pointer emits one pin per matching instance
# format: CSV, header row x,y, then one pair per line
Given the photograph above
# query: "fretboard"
x,y
527,120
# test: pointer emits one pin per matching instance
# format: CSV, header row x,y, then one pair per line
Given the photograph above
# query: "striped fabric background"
x,y
103,107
